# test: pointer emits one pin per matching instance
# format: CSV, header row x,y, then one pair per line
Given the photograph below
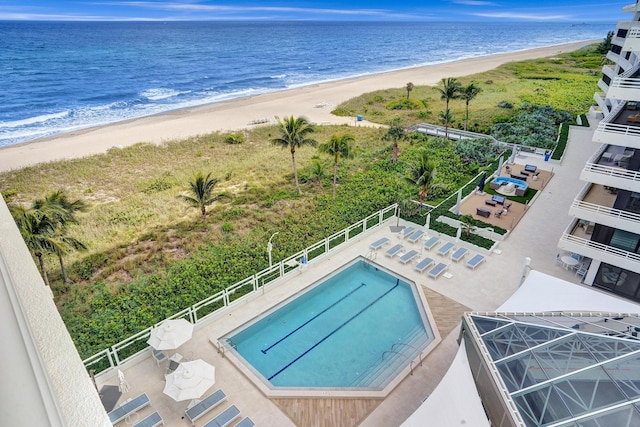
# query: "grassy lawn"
x,y
150,256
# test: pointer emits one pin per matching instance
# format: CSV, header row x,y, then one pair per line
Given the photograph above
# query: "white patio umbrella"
x,y
170,334
190,380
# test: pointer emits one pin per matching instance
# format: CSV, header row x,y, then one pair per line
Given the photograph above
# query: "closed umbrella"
x,y
190,380
483,178
170,334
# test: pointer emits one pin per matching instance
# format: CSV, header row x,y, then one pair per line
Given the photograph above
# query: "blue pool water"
x,y
355,329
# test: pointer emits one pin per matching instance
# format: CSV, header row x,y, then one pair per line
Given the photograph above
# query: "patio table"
x,y
569,262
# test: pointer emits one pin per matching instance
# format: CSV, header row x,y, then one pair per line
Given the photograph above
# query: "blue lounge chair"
x,y
423,264
394,250
158,356
445,249
429,244
408,256
438,270
153,420
458,254
407,231
128,408
225,417
379,243
475,261
416,236
205,406
246,422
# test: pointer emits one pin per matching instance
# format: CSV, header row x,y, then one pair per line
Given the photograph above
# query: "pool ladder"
x,y
411,366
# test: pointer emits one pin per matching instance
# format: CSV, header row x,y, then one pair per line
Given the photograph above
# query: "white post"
x,y
270,247
525,266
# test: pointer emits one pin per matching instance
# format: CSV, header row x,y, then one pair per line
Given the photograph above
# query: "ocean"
x,y
58,77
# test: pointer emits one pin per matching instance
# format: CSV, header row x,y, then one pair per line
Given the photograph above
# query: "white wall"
x,y
42,379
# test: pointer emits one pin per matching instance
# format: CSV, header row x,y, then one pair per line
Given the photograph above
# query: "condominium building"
x,y
605,231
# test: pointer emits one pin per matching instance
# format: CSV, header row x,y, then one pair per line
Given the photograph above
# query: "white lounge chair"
x,y
475,261
128,408
246,422
423,264
416,236
458,254
445,249
379,243
408,256
429,244
206,405
153,420
224,418
438,270
394,250
407,231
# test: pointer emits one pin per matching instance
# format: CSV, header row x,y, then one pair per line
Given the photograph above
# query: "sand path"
x,y
237,114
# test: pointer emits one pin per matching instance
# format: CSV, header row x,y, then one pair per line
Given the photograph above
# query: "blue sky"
x,y
370,10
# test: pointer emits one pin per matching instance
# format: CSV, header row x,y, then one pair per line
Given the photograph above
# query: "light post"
x,y
270,247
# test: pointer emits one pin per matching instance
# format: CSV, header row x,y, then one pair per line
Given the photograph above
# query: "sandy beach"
x,y
315,102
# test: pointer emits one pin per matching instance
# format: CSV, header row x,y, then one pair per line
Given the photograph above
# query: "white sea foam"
x,y
34,120
157,93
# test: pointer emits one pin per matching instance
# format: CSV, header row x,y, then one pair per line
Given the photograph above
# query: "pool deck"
x,y
482,289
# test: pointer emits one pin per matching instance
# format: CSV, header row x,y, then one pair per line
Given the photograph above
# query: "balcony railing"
x,y
612,171
604,210
622,130
600,247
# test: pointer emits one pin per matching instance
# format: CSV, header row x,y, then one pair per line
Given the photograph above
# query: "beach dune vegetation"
x,y
200,192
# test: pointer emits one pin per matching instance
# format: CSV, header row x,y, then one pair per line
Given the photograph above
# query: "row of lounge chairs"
x,y
132,406
223,419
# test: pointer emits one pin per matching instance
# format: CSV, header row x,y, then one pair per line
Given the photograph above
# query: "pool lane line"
x,y
264,351
333,332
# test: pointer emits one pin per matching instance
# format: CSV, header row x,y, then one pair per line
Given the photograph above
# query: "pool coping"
x,y
324,392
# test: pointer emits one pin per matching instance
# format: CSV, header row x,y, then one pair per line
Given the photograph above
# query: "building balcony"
x,y
625,134
632,40
598,251
595,205
631,8
626,86
609,167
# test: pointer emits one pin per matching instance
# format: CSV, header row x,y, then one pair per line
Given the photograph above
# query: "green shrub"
x,y
505,104
234,138
405,104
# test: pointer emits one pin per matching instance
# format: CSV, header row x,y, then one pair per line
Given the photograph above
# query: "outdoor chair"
x,y
206,405
436,271
408,256
416,236
158,356
499,213
379,243
423,264
128,408
475,261
445,249
394,250
172,366
225,417
246,422
429,244
153,420
459,254
407,231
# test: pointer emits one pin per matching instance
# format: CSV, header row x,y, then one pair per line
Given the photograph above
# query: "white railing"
x,y
614,172
586,243
625,130
134,345
603,210
625,83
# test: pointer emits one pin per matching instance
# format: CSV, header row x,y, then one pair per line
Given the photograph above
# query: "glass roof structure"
x,y
564,369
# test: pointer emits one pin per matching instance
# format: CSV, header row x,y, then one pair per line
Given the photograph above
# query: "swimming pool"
x,y
355,329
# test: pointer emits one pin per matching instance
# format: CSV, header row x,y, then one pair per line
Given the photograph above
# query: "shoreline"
x,y
313,101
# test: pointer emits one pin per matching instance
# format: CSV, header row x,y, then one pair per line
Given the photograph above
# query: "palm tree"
x,y
395,133
450,90
201,189
409,89
38,232
293,134
338,146
62,212
468,93
422,174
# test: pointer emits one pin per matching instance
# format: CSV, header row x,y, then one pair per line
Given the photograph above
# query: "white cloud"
x,y
526,16
475,3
